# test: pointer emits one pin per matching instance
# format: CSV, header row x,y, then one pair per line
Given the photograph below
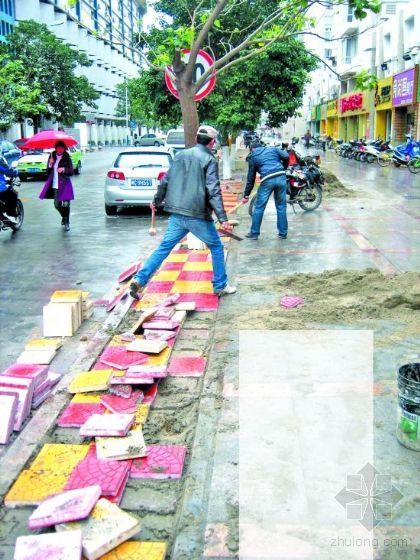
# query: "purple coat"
x,y
65,187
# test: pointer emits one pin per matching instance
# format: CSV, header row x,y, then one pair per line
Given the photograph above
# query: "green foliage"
x,y
366,81
42,75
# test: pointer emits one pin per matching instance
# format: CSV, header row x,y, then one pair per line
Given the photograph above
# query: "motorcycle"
x,y
405,152
5,222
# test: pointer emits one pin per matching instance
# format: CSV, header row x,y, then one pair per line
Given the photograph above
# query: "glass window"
x,y
143,159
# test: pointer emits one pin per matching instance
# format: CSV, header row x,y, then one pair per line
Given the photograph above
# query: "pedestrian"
x,y
271,163
307,138
58,185
7,196
190,192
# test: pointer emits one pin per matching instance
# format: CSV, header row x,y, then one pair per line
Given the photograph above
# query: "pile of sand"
x,y
333,187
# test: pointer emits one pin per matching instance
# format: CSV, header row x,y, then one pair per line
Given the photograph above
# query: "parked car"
x,y
175,140
134,178
149,140
9,151
34,163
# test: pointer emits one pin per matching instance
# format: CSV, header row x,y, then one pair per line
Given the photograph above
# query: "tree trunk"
x,y
189,113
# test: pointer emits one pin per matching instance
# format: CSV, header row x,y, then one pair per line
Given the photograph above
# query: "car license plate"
x,y
33,170
141,182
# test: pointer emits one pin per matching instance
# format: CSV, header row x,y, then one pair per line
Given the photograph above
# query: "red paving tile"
x,y
76,414
159,287
192,275
120,358
200,257
122,405
162,462
204,302
187,366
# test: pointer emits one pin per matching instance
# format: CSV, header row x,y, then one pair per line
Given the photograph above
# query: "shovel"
x,y
152,229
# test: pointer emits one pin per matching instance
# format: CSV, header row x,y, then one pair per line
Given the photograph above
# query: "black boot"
x,y
66,218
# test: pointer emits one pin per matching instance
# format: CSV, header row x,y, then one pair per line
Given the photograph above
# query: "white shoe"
x,y
226,291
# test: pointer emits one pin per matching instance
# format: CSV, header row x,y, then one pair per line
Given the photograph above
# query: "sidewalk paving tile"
x,y
119,405
122,448
166,275
87,398
154,287
76,414
204,302
162,462
199,256
107,527
141,414
115,425
198,266
48,546
89,381
119,357
8,409
196,275
177,257
187,366
137,550
67,506
172,266
110,475
194,287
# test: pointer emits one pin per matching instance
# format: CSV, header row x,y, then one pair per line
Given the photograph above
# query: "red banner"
x,y
351,103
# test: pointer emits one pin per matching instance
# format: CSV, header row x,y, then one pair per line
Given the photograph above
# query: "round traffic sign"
x,y
202,64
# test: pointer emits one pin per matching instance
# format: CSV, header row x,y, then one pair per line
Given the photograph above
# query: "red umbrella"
x,y
47,139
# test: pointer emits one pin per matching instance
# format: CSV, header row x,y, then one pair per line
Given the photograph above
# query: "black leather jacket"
x,y
192,186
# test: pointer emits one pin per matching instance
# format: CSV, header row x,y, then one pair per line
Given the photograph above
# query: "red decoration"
x,y
352,103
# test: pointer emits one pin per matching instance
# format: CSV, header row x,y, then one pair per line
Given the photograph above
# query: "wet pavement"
x,y
41,257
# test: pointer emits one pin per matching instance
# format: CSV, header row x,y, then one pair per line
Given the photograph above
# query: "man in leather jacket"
x,y
271,164
190,192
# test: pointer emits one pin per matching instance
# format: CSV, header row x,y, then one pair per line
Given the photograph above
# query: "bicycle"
x,y
414,165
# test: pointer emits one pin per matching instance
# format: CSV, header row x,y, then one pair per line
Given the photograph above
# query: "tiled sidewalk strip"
x,y
63,466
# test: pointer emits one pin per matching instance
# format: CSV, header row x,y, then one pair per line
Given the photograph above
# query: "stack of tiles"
x,y
87,306
64,314
39,351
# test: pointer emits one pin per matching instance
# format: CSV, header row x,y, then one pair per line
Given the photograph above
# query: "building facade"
x,y
7,17
386,45
104,31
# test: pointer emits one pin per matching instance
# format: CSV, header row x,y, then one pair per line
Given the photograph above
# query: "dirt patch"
x,y
337,296
333,187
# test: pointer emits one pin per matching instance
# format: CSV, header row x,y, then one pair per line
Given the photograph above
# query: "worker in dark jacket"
x,y
271,164
190,192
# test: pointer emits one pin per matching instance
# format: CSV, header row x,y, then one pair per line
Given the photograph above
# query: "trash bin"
x,y
408,429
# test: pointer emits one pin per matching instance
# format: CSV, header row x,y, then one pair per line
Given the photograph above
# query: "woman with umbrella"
x,y
58,185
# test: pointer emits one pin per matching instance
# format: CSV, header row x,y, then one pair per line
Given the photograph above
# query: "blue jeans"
x,y
278,185
178,227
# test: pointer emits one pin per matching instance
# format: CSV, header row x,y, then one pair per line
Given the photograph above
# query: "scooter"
x,y
5,222
405,152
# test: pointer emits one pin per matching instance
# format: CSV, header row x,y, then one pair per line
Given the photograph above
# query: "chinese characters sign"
x,y
403,88
383,94
353,102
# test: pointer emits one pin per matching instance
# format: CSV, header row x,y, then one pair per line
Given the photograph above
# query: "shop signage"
x,y
332,108
383,94
353,102
403,88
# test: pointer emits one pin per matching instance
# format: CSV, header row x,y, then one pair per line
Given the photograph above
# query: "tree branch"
x,y
198,43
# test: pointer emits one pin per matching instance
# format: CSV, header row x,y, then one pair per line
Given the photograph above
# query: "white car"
x,y
175,140
134,178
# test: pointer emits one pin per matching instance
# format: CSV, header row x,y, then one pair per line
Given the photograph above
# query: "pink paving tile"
x,y
158,372
67,506
198,257
123,391
187,366
107,425
109,474
39,399
30,371
119,358
180,251
61,546
76,414
150,394
163,325
132,380
196,275
164,313
8,409
116,499
129,272
42,387
116,300
119,405
151,334
24,404
204,302
162,287
162,462
291,301
172,266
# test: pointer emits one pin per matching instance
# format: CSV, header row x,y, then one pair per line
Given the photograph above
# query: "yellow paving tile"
x,y
204,266
137,550
93,380
43,343
59,457
140,416
166,275
192,287
161,359
117,341
177,257
150,300
87,398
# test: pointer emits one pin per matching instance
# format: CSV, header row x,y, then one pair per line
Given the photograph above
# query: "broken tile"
x,y
121,448
187,366
67,506
43,343
76,414
119,357
42,357
107,527
93,380
116,300
47,475
112,425
137,550
109,475
150,334
161,462
123,391
129,272
38,373
147,346
168,325
49,546
8,409
140,416
122,405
